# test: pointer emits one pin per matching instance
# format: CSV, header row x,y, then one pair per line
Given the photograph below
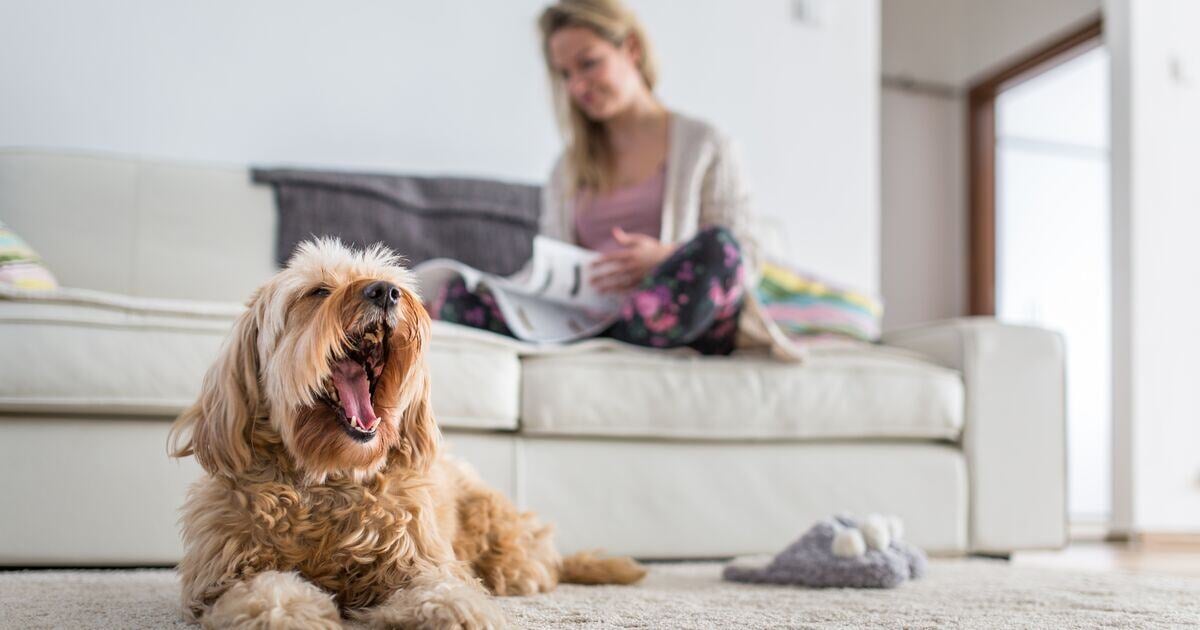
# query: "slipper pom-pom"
x,y
849,543
876,532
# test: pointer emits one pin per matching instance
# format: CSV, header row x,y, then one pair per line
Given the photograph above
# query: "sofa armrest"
x,y
1014,438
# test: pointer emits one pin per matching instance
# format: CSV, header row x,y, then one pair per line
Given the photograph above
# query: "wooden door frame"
x,y
981,152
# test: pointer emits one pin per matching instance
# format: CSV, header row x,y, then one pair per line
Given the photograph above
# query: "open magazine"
x,y
551,300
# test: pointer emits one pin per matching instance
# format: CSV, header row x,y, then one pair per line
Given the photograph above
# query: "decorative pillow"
x,y
805,306
20,266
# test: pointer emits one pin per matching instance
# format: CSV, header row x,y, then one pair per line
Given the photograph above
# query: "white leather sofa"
x,y
957,427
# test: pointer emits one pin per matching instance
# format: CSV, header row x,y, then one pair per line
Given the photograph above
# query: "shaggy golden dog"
x,y
326,495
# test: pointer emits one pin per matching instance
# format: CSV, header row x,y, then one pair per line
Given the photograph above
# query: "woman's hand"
x,y
623,269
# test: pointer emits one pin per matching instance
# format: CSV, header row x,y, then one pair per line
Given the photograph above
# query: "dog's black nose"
x,y
382,294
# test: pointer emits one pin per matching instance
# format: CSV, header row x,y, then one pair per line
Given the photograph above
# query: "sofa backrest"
x,y
157,228
138,227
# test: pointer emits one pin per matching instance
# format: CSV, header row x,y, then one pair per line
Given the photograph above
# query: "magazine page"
x,y
434,274
560,272
532,318
551,300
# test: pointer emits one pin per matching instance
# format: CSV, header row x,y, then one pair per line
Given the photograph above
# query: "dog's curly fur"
x,y
304,519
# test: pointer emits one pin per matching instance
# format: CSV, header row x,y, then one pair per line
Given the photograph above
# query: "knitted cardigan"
x,y
704,186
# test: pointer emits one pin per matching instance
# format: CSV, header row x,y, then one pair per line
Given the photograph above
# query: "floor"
x,y
1150,559
954,593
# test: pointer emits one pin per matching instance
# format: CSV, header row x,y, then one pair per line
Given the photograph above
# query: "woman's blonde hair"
x,y
589,156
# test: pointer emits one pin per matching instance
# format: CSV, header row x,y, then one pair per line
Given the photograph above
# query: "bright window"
x,y
1052,249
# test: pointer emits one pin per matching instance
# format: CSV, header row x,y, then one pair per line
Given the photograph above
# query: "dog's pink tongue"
x,y
355,392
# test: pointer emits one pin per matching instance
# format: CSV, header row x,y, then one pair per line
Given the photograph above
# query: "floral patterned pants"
x,y
692,299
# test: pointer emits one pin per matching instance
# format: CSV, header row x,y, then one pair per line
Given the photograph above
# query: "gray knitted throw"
x,y
841,552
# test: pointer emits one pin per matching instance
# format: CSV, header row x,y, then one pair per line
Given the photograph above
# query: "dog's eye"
x,y
320,292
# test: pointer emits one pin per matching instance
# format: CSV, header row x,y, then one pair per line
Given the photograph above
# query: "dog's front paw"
x,y
438,607
274,600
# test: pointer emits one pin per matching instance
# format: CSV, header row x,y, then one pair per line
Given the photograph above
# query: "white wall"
x,y
373,84
954,42
944,44
454,86
924,245
1155,55
924,39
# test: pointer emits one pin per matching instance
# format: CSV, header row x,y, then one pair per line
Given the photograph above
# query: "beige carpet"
x,y
957,593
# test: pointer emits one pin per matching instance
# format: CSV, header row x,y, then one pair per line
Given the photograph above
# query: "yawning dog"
x,y
326,495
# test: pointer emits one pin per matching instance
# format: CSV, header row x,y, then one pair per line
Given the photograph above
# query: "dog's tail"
x,y
586,567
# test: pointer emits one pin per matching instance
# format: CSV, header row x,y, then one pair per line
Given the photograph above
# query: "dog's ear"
x,y
219,423
419,434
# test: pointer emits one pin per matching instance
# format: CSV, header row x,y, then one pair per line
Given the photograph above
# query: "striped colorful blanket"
x,y
806,307
20,266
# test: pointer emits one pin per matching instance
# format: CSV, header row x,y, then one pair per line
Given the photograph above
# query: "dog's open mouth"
x,y
351,391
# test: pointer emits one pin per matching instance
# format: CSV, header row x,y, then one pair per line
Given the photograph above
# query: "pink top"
x,y
635,209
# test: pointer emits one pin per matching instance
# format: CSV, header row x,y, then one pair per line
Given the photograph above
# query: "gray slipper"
x,y
839,552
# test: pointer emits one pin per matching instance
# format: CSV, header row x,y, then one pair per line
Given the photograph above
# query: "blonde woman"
x,y
659,194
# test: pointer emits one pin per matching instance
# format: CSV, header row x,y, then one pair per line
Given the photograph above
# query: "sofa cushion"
x,y
847,392
140,227
75,351
476,378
